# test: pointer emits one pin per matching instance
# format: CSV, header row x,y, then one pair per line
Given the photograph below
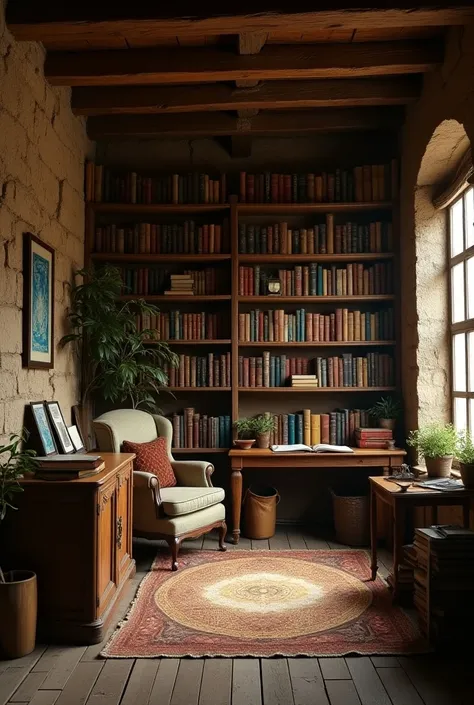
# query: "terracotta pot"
x,y
18,609
244,443
467,475
439,467
388,423
263,440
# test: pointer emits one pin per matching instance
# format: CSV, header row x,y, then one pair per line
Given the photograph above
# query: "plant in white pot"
x,y
437,444
465,456
386,411
18,591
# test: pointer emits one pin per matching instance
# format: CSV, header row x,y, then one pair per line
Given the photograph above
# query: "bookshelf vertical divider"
x,y
234,249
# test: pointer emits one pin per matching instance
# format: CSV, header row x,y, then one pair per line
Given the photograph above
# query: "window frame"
x,y
465,326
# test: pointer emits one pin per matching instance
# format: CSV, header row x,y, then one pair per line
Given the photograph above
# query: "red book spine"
x,y
274,188
250,188
324,428
287,188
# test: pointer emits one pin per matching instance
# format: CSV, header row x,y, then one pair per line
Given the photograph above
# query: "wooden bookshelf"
x,y
239,400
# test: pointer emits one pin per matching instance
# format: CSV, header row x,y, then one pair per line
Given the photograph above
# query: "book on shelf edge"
x,y
319,448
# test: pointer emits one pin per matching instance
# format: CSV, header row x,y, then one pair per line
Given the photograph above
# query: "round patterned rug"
x,y
263,604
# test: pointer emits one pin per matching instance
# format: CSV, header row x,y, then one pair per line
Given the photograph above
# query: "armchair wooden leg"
x,y
174,543
222,535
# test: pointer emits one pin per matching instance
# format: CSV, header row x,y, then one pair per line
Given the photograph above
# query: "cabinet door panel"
x,y
106,575
124,523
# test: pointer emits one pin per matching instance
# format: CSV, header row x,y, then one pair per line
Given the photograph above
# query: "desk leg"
x,y
373,533
399,515
236,491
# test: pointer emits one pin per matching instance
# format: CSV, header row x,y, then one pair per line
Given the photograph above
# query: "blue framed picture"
x,y
43,427
38,308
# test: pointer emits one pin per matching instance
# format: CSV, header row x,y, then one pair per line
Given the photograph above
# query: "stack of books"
x,y
68,467
303,381
406,576
181,285
373,437
444,583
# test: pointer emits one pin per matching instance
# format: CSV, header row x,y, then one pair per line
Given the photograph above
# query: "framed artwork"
x,y
76,439
60,428
38,304
44,429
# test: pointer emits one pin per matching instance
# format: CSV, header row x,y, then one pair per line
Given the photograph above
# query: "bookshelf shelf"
x,y
224,341
196,389
157,208
176,451
312,344
157,259
315,299
310,390
288,259
175,299
309,208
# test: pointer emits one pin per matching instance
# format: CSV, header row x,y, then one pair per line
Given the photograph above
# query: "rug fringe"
x,y
125,619
281,654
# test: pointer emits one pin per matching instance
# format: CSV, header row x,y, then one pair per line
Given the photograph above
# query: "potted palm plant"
x,y
465,456
18,590
123,362
386,411
245,433
263,425
437,444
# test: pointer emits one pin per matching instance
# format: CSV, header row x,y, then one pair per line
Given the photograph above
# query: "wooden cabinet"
x,y
77,537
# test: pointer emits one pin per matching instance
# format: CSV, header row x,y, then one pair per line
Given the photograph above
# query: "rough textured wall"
x,y
42,151
448,94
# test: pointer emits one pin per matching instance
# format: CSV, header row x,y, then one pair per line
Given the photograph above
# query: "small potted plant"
x,y
437,444
465,456
18,590
386,411
245,433
263,425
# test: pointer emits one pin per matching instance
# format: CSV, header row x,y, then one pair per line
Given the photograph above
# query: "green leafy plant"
x,y
465,449
263,423
434,440
15,461
121,362
386,408
245,428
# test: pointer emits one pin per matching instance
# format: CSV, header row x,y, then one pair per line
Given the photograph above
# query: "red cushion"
x,y
152,457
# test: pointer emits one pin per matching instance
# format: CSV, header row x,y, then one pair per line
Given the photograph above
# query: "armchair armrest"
x,y
193,473
148,481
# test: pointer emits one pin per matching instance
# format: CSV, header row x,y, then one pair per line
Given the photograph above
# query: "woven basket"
x,y
351,519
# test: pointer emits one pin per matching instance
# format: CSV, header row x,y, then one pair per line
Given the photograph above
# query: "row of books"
x,y
176,325
159,239
194,430
336,428
271,370
112,186
302,326
370,182
200,371
320,239
146,281
444,583
372,370
317,280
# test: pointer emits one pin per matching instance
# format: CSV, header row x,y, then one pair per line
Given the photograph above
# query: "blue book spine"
x,y
282,370
291,429
299,428
368,335
277,371
221,431
320,280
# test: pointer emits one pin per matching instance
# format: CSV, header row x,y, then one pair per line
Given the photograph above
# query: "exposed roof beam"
x,y
57,20
274,95
205,65
221,124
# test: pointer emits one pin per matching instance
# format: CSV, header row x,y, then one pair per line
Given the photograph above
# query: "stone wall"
x,y
448,94
42,152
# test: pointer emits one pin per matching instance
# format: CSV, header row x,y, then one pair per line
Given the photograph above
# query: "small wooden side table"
x,y
399,503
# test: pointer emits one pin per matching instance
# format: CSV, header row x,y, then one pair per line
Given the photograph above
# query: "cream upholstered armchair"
x,y
190,509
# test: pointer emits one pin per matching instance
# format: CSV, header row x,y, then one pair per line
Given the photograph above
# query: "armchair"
x,y
190,509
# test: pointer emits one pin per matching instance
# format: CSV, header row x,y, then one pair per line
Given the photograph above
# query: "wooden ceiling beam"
x,y
222,124
57,20
274,95
209,65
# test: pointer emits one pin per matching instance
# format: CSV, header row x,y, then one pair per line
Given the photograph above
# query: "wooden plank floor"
x,y
60,675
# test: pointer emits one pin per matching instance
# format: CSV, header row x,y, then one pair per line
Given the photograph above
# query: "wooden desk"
x,y
258,458
399,502
77,537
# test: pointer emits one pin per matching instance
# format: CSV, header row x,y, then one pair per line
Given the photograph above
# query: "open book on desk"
x,y
318,448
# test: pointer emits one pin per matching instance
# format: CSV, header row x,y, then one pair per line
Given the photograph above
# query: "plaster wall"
x,y
42,152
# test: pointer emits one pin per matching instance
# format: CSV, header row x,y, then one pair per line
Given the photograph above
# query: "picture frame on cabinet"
x,y
45,432
59,425
38,303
